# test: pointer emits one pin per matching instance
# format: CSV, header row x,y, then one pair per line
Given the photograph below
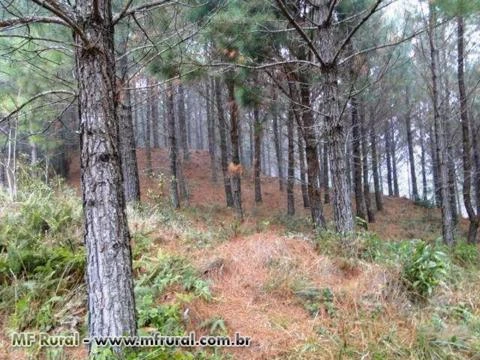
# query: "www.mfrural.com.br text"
x,y
27,339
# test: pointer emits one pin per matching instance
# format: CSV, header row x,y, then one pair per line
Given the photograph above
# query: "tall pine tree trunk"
x,y
111,301
148,134
277,138
154,98
127,145
396,191
222,126
388,154
291,162
375,169
211,128
325,181
172,145
361,207
447,221
473,217
314,194
131,183
364,145
423,163
236,167
411,154
182,121
257,138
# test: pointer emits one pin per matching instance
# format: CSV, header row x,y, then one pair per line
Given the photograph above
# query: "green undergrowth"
x,y
42,267
438,285
42,261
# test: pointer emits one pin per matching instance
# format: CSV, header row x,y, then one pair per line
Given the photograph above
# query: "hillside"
x,y
272,279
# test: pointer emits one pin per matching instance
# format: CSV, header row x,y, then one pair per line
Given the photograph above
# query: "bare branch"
x,y
125,12
299,29
64,13
356,28
39,95
31,20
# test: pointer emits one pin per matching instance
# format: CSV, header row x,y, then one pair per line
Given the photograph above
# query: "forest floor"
x,y
291,290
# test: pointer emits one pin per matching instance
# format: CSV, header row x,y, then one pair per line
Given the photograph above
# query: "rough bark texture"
x,y
277,138
447,223
257,165
148,136
291,163
325,180
222,126
334,124
111,301
155,120
411,153
342,202
396,191
314,194
375,170
361,207
366,186
388,155
182,121
234,136
434,165
211,128
423,164
131,183
301,160
297,113
473,217
172,146
127,144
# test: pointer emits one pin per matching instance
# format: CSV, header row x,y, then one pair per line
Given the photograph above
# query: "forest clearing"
x,y
286,179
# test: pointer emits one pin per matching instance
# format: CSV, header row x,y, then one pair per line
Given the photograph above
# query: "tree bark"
x,y
297,113
342,202
172,145
127,145
325,177
447,223
211,128
153,101
257,138
473,217
277,138
411,153
131,182
364,149
361,207
111,301
234,136
435,170
182,121
222,125
148,135
396,191
291,163
388,154
423,164
376,175
314,194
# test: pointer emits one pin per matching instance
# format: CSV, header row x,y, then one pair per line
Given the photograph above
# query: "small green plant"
x,y
215,326
314,300
424,269
465,254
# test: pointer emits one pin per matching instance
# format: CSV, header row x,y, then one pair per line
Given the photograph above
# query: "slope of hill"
x,y
291,290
